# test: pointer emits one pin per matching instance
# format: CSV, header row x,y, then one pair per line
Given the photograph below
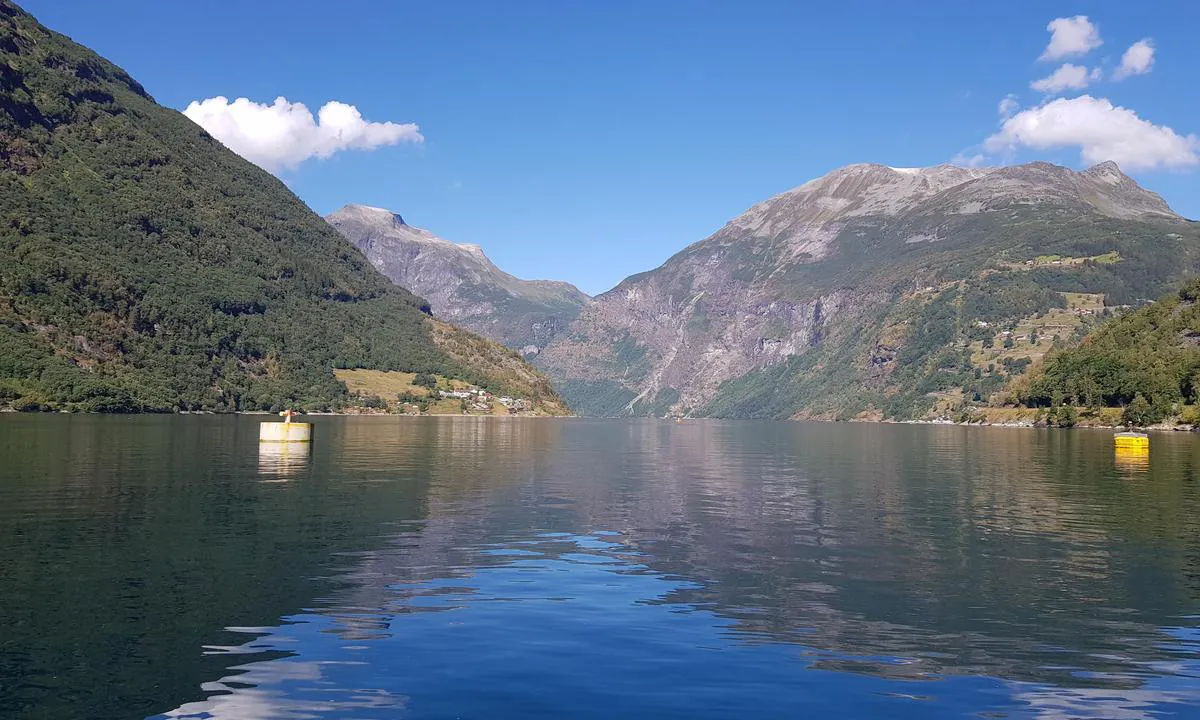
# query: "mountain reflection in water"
x,y
466,567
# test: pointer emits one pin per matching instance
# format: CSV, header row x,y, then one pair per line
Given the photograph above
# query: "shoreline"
x,y
1043,426
1020,424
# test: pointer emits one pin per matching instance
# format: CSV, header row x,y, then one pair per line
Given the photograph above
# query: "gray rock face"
x,y
461,284
805,295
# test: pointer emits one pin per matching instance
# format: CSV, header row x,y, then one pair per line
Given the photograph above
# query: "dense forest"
x,y
143,266
1147,360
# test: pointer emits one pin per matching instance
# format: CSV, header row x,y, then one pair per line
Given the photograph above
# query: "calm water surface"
x,y
493,568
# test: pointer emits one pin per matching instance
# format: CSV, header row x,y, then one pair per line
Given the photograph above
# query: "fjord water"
x,y
491,568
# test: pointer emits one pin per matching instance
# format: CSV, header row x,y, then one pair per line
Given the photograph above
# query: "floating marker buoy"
x,y
1132,441
1132,449
286,431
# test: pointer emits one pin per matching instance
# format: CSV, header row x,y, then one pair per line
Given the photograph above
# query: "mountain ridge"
x,y
462,284
821,266
943,177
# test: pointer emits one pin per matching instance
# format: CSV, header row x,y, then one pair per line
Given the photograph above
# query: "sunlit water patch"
x,y
577,626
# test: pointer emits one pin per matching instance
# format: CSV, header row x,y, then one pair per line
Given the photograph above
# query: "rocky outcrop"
x,y
461,284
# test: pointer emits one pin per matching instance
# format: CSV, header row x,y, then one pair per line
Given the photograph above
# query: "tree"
x,y
1192,387
1191,291
1008,342
425,380
373,402
1064,416
1138,413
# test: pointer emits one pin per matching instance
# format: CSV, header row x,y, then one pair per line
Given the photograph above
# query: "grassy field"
x,y
1033,336
1107,258
385,384
1098,417
388,386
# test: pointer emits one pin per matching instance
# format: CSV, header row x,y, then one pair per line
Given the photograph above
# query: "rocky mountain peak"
x,y
806,219
368,226
1109,173
380,217
808,216
461,283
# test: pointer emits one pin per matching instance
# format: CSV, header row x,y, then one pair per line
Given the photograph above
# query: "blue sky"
x,y
589,141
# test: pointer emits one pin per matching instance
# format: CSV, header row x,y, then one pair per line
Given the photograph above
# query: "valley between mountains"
x,y
144,266
871,292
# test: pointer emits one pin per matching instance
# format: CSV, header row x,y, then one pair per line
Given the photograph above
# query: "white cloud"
x,y
284,134
964,159
1101,131
1067,76
1137,60
1071,36
1008,106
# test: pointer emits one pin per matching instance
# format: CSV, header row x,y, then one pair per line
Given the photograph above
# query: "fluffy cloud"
x,y
1071,36
1066,77
1008,106
1101,131
284,134
1137,60
966,159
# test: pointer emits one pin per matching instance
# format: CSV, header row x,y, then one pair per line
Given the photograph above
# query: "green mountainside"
x,y
966,334
143,266
1147,359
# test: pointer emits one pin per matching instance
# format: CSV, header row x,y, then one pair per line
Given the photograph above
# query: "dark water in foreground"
x,y
490,568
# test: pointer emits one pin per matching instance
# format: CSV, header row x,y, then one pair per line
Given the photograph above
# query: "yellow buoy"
x,y
286,431
1131,441
1132,450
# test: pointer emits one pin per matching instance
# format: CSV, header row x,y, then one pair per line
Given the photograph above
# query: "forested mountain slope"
x,y
143,266
1153,352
